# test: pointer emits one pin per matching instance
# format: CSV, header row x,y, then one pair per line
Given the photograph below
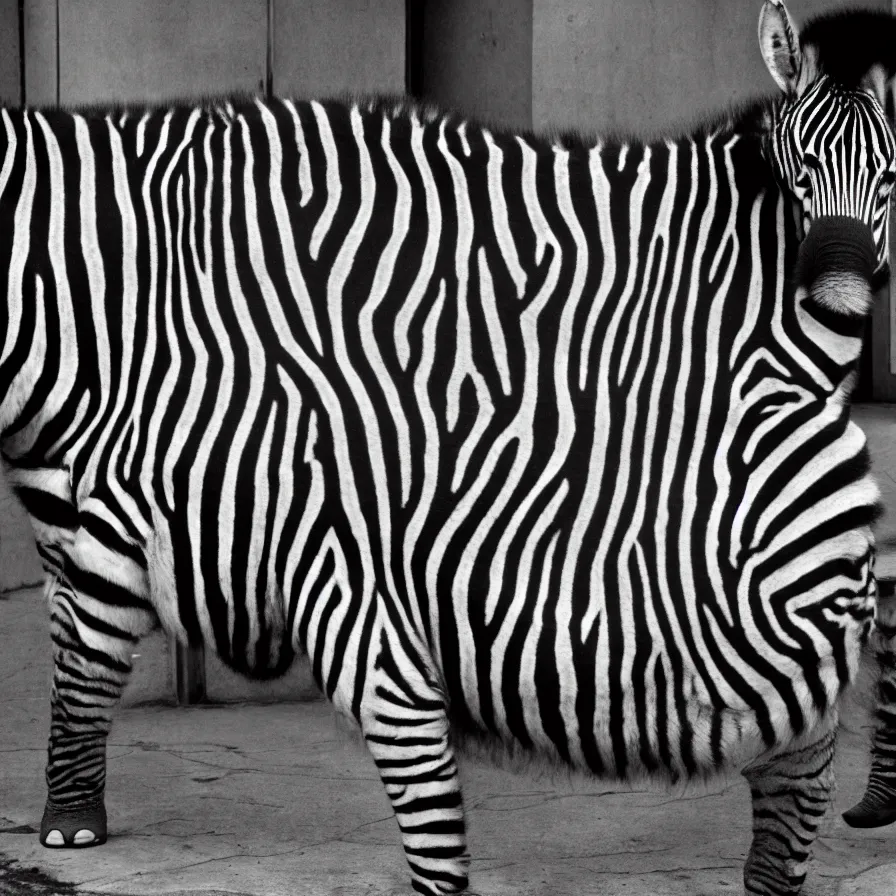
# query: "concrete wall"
x,y
18,557
477,58
9,52
41,67
598,65
111,50
878,422
648,67
322,48
883,334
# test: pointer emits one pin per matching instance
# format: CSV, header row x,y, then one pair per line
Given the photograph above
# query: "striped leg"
x,y
94,635
405,727
792,793
878,806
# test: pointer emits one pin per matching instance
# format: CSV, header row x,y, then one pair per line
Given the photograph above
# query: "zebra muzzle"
x,y
836,264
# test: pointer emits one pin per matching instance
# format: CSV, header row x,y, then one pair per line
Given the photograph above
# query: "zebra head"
x,y
832,147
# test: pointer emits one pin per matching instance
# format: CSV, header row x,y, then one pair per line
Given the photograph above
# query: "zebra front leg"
x,y
878,806
405,726
94,636
792,792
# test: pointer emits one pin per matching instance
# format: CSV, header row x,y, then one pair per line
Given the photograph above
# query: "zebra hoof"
x,y
74,827
871,813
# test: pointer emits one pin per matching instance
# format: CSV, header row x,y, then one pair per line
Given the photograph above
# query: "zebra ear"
x,y
780,45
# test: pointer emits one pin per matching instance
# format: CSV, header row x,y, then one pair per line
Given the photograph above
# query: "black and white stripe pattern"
x,y
539,438
832,173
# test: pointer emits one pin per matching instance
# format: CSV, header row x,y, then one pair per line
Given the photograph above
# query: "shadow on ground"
x,y
20,880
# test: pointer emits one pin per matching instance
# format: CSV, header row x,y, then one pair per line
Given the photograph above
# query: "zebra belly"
x,y
655,680
256,558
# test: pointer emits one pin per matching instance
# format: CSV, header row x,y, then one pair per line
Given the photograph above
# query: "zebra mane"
x,y
850,42
118,108
748,118
751,118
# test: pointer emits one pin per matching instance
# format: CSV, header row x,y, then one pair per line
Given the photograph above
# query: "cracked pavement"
x,y
281,800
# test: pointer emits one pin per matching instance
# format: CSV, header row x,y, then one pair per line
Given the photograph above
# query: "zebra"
x,y
543,441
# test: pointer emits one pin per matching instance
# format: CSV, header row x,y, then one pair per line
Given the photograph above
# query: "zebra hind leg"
x,y
792,792
878,806
405,726
93,640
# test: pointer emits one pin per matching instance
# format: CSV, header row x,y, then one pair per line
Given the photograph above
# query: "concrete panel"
x,y
18,556
152,677
477,58
878,422
601,65
891,309
223,685
883,336
9,52
324,49
129,50
40,52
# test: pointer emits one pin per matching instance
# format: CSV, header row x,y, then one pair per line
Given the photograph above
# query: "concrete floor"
x,y
281,800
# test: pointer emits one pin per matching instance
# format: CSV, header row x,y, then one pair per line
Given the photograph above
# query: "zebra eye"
x,y
810,162
886,184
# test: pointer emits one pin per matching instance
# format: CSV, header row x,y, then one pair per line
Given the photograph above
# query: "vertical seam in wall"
x,y
21,52
58,77
414,11
407,48
269,54
530,72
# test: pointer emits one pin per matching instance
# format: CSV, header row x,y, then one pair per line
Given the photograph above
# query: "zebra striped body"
x,y
437,422
538,437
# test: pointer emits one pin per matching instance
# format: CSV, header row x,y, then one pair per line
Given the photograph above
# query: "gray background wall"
x,y
131,50
122,49
649,66
9,51
326,48
599,65
477,57
596,65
